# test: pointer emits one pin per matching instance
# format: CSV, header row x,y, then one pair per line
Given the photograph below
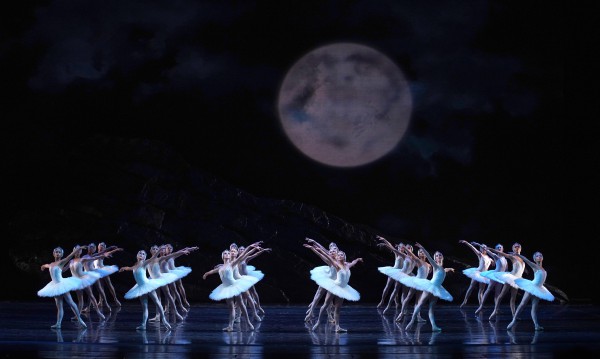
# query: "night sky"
x,y
482,160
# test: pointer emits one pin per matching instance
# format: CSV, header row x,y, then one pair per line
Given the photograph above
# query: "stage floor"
x,y
570,330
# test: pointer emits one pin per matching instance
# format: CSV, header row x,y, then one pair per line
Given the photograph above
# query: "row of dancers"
x,y
499,280
89,271
238,281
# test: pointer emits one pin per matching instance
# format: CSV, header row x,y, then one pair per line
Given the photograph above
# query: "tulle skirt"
x,y
54,289
239,286
324,280
428,286
475,274
534,289
148,286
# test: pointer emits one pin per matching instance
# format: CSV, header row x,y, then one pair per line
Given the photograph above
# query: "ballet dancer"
x,y
245,296
408,266
423,270
182,271
106,282
432,288
474,273
145,287
76,265
91,264
231,288
390,283
246,269
322,270
500,265
508,279
164,257
338,289
533,289
60,288
154,269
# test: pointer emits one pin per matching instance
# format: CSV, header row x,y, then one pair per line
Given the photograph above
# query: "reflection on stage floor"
x,y
568,330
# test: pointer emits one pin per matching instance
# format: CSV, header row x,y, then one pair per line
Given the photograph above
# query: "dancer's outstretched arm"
x,y
475,250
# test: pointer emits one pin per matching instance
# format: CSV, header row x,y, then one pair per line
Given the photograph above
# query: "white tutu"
x,y
504,278
255,273
339,286
88,279
475,274
320,271
54,289
181,271
427,286
491,275
144,284
395,273
530,287
140,289
238,286
106,270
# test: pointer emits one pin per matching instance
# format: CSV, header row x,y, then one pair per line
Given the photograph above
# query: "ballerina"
x,y
245,296
432,288
398,262
338,289
246,269
145,287
76,265
231,288
407,268
182,271
154,269
474,273
423,270
500,265
92,265
533,288
99,263
59,288
165,256
325,270
508,279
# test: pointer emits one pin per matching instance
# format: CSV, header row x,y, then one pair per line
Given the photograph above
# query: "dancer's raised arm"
x,y
472,247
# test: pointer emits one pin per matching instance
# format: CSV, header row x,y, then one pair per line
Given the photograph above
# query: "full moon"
x,y
344,104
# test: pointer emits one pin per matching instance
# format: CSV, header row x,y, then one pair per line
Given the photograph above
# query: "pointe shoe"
x,y
141,327
55,326
339,329
117,303
228,329
167,325
155,319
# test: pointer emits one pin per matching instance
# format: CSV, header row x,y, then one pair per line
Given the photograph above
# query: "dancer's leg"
x,y
154,296
432,302
327,303
337,304
468,294
73,306
519,308
424,296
